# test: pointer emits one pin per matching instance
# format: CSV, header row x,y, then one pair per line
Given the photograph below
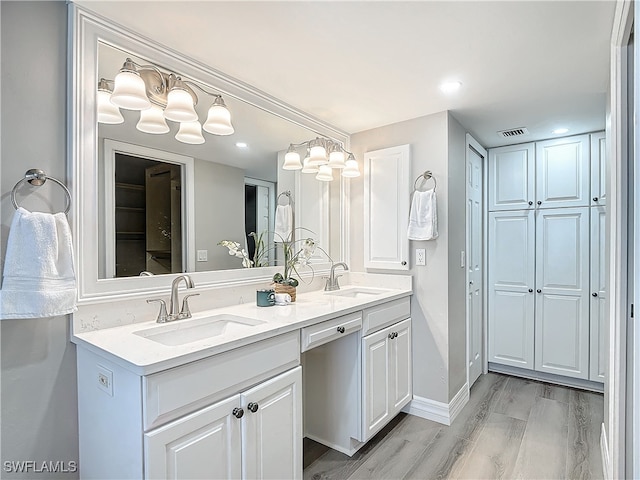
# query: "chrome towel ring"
x,y
426,176
37,177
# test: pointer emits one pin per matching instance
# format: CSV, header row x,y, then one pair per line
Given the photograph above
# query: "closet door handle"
x,y
595,199
539,202
594,294
539,291
530,202
531,290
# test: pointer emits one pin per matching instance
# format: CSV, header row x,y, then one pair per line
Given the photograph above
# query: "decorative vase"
x,y
280,288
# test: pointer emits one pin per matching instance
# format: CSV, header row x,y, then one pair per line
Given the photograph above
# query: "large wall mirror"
x,y
148,206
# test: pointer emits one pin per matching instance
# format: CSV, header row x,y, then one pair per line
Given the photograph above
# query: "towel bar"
x,y
37,177
286,193
426,176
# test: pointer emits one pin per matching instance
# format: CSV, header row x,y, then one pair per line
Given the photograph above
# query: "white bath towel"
x,y
39,276
423,218
284,223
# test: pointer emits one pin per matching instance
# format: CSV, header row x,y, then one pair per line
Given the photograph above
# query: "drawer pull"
x,y
253,407
238,412
340,329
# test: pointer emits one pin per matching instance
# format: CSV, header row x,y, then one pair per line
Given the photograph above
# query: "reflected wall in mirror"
x,y
235,181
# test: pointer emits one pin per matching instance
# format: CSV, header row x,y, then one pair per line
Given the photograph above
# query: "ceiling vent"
x,y
514,132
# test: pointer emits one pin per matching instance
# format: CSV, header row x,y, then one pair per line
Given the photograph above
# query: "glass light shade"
x,y
152,121
292,161
336,159
307,167
318,155
107,111
219,119
129,91
190,132
325,173
180,106
351,169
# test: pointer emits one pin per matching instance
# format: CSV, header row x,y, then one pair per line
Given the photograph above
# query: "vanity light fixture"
x,y
160,96
323,155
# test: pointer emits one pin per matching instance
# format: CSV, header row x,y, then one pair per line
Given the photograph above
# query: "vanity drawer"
x,y
386,314
176,392
324,332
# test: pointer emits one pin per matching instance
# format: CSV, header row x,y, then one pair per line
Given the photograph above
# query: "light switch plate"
x,y
202,255
421,256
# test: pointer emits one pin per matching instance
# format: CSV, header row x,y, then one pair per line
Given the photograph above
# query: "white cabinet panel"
x,y
562,172
562,335
598,294
272,428
386,198
598,169
511,326
511,177
203,445
400,366
562,251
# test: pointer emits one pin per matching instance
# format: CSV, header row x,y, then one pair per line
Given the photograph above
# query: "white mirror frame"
x,y
86,31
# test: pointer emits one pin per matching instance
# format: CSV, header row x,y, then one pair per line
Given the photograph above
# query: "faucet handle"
x,y
162,314
185,312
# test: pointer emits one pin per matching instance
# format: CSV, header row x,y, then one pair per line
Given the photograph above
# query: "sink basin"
x,y
357,292
182,332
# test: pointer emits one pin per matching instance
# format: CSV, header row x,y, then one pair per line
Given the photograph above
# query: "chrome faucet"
x,y
332,280
174,314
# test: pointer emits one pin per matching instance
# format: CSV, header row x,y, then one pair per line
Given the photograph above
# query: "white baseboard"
x,y
440,412
604,450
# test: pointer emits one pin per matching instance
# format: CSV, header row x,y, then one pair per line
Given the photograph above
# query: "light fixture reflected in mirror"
x,y
318,162
159,96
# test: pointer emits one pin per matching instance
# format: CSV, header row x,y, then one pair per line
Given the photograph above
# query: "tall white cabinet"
x,y
546,256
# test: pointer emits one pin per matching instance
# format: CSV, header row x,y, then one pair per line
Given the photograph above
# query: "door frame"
x,y
472,143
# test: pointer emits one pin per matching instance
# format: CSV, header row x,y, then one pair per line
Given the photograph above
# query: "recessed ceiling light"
x,y
450,87
560,131
241,145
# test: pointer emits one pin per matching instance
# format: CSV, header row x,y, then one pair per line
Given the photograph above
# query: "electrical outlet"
x,y
421,256
202,255
105,379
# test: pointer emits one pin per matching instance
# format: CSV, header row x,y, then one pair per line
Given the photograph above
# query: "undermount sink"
x,y
182,332
357,292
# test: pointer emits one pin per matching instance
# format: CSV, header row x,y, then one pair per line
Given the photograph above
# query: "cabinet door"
x,y
511,177
400,365
386,198
511,283
598,169
598,294
203,445
562,172
272,428
376,411
562,286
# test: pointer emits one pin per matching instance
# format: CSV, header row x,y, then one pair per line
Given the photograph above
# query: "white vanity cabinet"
x,y
386,366
237,414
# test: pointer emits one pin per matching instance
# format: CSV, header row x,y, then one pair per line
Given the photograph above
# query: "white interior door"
x,y
475,267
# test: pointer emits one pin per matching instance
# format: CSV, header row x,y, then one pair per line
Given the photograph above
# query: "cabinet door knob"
x,y
531,290
594,294
530,202
238,412
539,202
253,407
595,199
390,336
341,329
404,263
539,291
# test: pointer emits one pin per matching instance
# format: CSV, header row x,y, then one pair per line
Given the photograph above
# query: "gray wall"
x,y
437,306
38,385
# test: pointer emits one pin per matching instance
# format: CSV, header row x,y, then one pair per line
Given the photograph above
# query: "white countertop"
x,y
144,356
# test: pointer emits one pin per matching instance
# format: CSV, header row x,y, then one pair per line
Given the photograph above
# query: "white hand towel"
x,y
283,224
39,276
423,219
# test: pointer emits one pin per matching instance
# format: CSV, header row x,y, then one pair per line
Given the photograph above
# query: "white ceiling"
x,y
363,64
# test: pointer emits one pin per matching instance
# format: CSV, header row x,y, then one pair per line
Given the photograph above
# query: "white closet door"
x,y
598,169
511,283
562,172
512,177
598,294
562,292
387,197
